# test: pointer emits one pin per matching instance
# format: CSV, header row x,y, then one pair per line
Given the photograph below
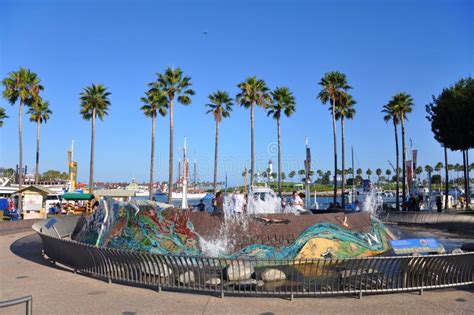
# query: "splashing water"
x,y
372,202
237,213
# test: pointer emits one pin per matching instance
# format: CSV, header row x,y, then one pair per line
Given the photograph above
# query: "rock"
x,y
273,275
239,270
158,269
246,283
213,281
187,277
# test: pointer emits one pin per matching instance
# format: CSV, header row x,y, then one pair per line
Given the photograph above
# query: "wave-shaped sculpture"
x,y
158,228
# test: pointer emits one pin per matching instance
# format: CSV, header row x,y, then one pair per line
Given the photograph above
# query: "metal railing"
x,y
299,277
28,300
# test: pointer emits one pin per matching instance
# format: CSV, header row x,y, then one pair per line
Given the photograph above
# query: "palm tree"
x,y
391,115
283,101
334,84
176,86
2,116
403,104
94,103
345,109
39,112
378,172
253,92
301,173
154,103
368,172
220,106
22,85
428,170
292,174
388,173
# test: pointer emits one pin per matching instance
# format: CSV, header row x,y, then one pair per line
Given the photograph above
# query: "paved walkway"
x,y
57,291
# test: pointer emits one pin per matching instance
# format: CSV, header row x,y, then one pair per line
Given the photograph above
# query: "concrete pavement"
x,y
58,291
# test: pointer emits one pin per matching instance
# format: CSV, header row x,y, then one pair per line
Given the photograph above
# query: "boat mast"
x,y
184,200
353,180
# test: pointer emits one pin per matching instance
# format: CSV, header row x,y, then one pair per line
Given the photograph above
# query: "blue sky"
x,y
382,46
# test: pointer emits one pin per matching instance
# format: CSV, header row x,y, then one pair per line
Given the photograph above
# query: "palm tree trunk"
x,y
91,165
333,108
343,176
170,177
404,158
252,156
446,192
279,156
20,162
37,151
152,158
397,172
216,147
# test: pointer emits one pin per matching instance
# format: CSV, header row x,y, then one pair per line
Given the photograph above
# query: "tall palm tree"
x,y
345,109
283,101
391,115
333,84
403,104
220,105
40,113
253,92
22,85
154,103
2,116
176,86
94,103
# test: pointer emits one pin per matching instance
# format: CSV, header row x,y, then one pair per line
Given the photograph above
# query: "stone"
x,y
187,277
239,270
246,283
213,281
273,275
158,269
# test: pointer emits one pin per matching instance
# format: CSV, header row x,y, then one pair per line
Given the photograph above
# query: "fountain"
x,y
279,234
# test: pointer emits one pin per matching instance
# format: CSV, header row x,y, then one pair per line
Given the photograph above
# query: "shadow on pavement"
x,y
30,248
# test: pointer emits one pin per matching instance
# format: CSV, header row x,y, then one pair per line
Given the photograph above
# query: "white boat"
x,y
191,196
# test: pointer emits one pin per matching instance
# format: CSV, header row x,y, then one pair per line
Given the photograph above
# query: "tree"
x,y
253,92
94,103
344,110
334,85
3,116
428,169
154,103
388,173
418,170
292,174
220,106
391,115
368,172
39,112
359,176
438,167
176,86
282,101
403,104
378,172
451,114
22,85
301,173
436,179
